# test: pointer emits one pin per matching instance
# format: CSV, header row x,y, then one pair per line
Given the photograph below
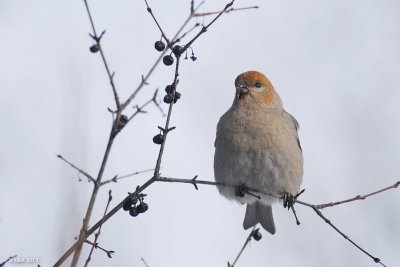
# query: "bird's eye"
x,y
258,84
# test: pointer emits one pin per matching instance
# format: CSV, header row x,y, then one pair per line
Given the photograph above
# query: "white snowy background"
x,y
336,65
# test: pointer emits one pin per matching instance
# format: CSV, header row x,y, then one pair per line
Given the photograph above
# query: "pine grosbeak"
x,y
257,147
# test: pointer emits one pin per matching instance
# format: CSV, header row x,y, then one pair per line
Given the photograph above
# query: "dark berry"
x,y
94,48
177,50
133,212
159,46
257,235
168,60
193,58
168,89
168,98
142,207
158,139
177,96
127,205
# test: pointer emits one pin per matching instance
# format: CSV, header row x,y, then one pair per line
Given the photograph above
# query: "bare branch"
x,y
358,197
88,176
116,178
158,24
205,28
108,252
97,40
248,239
96,236
7,260
145,263
319,213
226,11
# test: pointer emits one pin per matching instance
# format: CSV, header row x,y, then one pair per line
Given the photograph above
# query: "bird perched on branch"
x,y
258,156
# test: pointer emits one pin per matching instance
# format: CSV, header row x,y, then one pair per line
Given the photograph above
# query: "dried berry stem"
x,y
243,248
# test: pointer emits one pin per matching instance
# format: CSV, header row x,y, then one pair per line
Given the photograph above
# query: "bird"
x,y
257,147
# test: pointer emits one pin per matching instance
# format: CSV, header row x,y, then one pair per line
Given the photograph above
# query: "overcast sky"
x,y
335,64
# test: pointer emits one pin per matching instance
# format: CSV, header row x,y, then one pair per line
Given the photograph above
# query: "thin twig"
x,y
205,28
144,262
226,11
146,77
96,236
244,246
116,178
7,260
158,24
319,213
97,40
140,109
88,176
358,197
108,252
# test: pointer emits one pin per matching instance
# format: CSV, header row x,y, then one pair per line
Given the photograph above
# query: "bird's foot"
x,y
289,200
240,191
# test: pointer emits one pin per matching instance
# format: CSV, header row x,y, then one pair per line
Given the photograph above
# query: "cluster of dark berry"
x,y
131,204
170,96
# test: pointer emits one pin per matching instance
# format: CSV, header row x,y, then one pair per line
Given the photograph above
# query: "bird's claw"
x,y
240,191
288,200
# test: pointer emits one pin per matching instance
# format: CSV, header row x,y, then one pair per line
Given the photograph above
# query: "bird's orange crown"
x,y
252,77
255,79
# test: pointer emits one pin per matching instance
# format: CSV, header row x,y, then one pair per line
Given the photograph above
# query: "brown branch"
x,y
108,252
358,197
205,28
116,178
166,127
248,239
97,40
144,262
88,176
226,11
319,213
101,222
96,236
146,77
158,24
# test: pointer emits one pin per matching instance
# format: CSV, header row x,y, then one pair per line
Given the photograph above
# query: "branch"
x,y
116,178
226,11
205,28
319,213
96,236
97,39
358,197
88,176
108,252
256,235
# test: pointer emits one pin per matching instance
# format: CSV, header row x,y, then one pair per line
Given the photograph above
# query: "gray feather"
x,y
259,213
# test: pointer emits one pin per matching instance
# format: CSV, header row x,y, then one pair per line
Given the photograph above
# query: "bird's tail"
x,y
257,212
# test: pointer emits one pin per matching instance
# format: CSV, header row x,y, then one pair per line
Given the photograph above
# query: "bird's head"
x,y
254,87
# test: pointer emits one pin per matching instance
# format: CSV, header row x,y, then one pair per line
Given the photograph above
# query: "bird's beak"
x,y
241,91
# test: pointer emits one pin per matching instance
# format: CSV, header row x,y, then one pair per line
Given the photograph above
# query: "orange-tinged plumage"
x,y
257,147
259,87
